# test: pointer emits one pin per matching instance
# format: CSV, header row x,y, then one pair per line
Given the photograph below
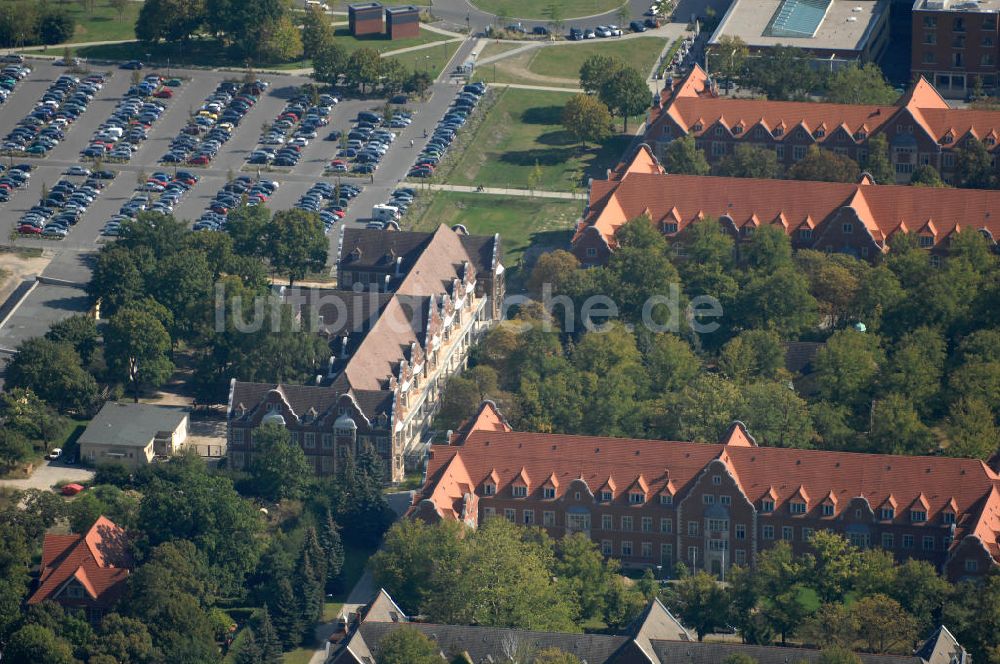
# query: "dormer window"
x,y
605,496
918,516
489,489
887,514
948,138
548,493
926,241
779,131
827,509
636,498
797,507
698,127
670,227
860,135
719,130
666,499
767,506
519,491
738,129
820,133
948,518
991,141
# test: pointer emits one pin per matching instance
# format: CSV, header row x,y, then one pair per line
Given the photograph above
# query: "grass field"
x,y
542,10
496,48
524,129
564,61
382,43
520,221
102,24
432,59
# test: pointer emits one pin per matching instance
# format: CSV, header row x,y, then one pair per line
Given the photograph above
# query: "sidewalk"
x,y
498,191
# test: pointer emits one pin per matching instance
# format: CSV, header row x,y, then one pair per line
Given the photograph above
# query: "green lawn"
x,y
496,48
564,60
382,43
432,59
520,221
102,24
298,656
524,128
543,10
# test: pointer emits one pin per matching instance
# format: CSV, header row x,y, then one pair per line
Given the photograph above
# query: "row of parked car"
x,y
213,124
15,178
337,198
63,206
9,76
393,209
63,102
446,129
281,144
229,196
161,192
128,126
368,142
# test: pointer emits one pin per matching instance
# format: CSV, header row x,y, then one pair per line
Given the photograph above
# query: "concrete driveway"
x,y
45,477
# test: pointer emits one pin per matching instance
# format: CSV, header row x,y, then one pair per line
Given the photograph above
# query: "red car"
x,y
163,93
72,489
200,160
28,229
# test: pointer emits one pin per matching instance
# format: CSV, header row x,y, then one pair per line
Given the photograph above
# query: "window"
x,y
926,241
693,555
787,533
987,42
907,541
930,38
646,550
989,23
767,532
887,514
294,435
725,500
605,496
73,591
887,541
958,24
548,493
606,547
698,127
741,531
827,509
798,152
779,152
237,459
343,451
767,506
607,522
548,518
666,499
948,160
740,556
238,436
670,227
948,517
510,514
930,21
860,135
488,512
807,534
820,133
778,131
693,528
718,149
717,525
718,545
626,549
636,498
903,169
716,480
946,542
327,441
986,60
918,516
956,60
647,524
310,440
719,130
666,552
591,252
805,234
529,517
958,41
738,129
519,491
847,228
928,543
626,523
708,499
797,507
489,489
971,565
666,526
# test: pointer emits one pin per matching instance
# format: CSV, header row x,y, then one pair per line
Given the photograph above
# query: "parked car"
x,y
637,26
55,453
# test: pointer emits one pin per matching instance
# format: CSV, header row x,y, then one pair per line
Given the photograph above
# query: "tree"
x,y
278,466
780,577
267,637
700,602
626,94
249,651
119,6
825,166
783,73
137,348
585,575
864,84
413,557
297,244
120,276
702,411
310,584
333,548
170,20
778,301
971,430
317,33
80,331
330,63
883,624
847,365
24,413
553,269
288,623
184,287
777,416
878,164
125,640
753,354
596,71
671,362
280,41
897,429
14,447
407,645
56,27
363,68
683,157
916,366
739,658
53,371
586,118
418,82
921,591
973,166
247,226
926,176
838,655
750,161
34,643
110,501
554,656
730,60
833,561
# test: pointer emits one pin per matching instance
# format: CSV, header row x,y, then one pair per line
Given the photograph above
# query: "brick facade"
x,y
953,48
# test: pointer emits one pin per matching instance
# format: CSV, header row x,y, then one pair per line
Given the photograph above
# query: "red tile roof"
x,y
99,560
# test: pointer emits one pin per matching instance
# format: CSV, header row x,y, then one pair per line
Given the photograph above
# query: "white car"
x,y
55,453
615,30
602,31
78,170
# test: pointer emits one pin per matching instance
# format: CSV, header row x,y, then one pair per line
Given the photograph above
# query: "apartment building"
x,y
408,309
653,503
921,128
857,219
955,45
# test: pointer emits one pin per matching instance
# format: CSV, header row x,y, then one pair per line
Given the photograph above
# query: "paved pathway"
x,y
500,191
48,474
546,88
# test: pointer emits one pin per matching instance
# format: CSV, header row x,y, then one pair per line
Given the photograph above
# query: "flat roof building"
x,y
956,44
133,433
836,32
365,18
402,22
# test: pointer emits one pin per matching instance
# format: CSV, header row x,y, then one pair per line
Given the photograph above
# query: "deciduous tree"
x,y
683,157
137,348
700,602
53,371
587,118
864,84
297,244
825,166
278,466
407,645
626,94
749,161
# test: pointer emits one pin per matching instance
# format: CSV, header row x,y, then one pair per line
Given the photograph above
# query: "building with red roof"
x,y
921,128
655,503
86,571
858,219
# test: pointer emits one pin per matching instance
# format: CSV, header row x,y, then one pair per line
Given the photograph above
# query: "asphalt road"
x,y
71,265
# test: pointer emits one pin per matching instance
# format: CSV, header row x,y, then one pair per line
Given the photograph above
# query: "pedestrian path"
x,y
545,88
500,191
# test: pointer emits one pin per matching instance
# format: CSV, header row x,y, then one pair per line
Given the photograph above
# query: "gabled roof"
x,y
942,648
99,560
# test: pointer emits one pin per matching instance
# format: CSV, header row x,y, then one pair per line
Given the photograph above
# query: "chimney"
x,y
399,265
387,283
343,346
447,437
